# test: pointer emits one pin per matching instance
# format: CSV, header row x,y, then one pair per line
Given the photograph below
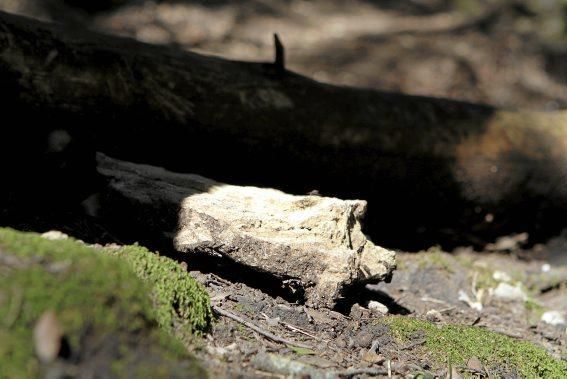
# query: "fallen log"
x,y
313,243
429,168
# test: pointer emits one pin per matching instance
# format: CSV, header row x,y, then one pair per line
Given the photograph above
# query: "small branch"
x,y
279,61
296,329
265,333
413,344
360,371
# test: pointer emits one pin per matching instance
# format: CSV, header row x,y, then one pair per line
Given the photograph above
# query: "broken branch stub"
x,y
315,240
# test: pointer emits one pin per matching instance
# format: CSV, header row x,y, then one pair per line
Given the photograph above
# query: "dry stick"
x,y
361,371
296,329
265,333
413,344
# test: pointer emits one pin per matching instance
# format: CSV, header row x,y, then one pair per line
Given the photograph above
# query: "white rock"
x,y
54,235
546,267
47,335
554,318
507,292
377,307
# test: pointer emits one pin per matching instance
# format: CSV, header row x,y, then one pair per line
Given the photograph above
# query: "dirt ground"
x,y
426,286
509,56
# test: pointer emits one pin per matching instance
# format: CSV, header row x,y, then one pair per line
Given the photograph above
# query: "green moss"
x,y
435,257
181,303
91,292
499,353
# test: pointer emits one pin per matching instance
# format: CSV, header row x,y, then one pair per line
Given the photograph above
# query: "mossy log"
x,y
428,167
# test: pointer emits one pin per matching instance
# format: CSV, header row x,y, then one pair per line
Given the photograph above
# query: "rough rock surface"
x,y
315,240
312,242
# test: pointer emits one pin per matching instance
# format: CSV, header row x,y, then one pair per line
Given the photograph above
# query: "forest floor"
x,y
423,298
504,56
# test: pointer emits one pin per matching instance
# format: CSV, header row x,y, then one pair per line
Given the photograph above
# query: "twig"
x,y
296,329
433,300
265,333
413,344
361,371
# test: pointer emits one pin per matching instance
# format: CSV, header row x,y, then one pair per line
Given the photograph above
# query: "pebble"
x,y
54,235
554,318
507,292
377,307
434,315
47,335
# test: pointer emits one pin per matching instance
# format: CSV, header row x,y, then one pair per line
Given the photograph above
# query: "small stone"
x,y
546,267
377,307
363,339
475,364
554,318
507,292
358,312
55,235
47,335
59,139
433,315
372,357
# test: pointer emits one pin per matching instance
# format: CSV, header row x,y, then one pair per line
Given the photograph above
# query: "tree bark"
x,y
430,168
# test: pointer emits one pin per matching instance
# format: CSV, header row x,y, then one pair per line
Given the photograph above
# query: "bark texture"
x,y
429,168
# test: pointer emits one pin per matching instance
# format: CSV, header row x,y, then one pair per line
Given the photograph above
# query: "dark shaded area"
x,y
362,295
94,6
555,58
236,273
392,150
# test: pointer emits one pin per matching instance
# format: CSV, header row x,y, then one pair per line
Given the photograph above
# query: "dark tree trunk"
x,y
432,170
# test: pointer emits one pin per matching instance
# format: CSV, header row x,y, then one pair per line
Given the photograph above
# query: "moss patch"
x,y
435,257
104,309
500,354
181,303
